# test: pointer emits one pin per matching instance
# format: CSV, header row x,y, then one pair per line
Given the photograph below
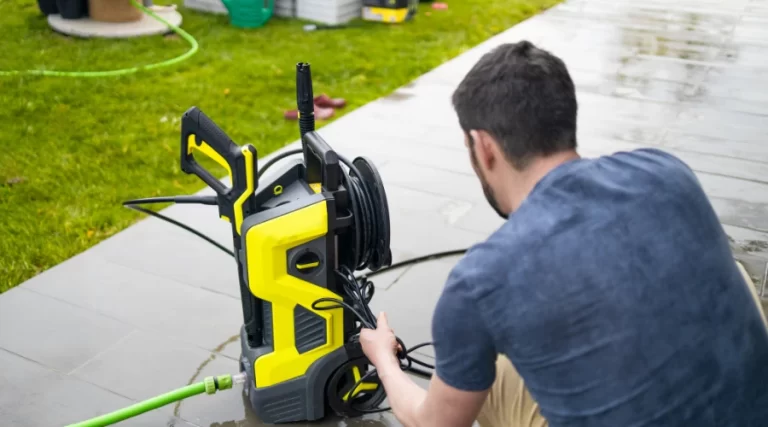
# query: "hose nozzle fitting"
x,y
305,99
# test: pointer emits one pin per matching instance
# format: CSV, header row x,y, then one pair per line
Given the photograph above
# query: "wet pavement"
x,y
155,308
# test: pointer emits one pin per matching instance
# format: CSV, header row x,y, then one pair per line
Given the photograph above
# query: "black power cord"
x,y
359,290
204,200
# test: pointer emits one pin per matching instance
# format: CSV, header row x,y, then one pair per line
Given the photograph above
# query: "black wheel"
x,y
369,393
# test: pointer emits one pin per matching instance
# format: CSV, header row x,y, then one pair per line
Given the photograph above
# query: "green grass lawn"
x,y
73,149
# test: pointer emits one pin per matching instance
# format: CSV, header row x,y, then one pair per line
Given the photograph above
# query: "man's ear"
x,y
486,149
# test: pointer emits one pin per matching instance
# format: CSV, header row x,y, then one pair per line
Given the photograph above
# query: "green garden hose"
x,y
112,73
209,385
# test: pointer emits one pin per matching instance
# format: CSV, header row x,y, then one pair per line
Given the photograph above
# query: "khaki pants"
x,y
509,403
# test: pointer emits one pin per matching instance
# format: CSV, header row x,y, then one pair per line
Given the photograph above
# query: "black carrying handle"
x,y
199,134
322,163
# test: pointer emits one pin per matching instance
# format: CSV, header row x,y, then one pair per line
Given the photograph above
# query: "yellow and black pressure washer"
x,y
299,237
389,11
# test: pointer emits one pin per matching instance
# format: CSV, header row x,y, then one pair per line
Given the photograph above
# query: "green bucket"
x,y
249,13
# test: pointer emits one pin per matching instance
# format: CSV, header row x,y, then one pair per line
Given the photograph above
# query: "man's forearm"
x,y
405,396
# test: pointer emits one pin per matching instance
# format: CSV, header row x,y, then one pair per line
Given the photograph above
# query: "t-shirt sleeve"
x,y
464,350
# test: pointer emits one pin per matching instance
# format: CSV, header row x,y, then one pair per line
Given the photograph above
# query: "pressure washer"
x,y
389,11
299,237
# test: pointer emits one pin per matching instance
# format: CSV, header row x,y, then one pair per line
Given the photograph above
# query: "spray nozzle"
x,y
305,100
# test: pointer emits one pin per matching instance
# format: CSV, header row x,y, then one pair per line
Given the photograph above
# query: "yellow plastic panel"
x,y
266,247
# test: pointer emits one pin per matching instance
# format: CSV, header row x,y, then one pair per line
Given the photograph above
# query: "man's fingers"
x,y
381,322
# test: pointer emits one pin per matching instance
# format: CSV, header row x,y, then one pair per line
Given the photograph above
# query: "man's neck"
x,y
537,170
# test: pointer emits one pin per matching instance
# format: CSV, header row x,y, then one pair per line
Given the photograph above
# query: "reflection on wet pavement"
x,y
133,317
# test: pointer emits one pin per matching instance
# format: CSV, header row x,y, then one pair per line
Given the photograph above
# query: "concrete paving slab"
x,y
168,253
146,301
424,236
32,395
722,148
54,333
154,362
439,182
687,76
155,365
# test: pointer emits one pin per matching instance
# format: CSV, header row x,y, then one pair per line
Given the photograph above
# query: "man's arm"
x,y
441,405
465,366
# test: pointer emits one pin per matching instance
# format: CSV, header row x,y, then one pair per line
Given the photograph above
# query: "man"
x,y
609,297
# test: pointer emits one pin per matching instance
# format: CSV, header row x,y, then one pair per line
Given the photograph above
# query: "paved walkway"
x,y
154,308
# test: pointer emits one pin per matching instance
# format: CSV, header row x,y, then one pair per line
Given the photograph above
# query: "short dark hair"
x,y
524,97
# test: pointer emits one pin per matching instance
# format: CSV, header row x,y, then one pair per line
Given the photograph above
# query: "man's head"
x,y
517,107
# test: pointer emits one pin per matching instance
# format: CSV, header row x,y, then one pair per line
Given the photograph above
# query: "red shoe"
x,y
320,113
328,102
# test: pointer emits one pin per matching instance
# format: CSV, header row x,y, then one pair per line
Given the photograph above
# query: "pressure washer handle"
x,y
199,134
322,163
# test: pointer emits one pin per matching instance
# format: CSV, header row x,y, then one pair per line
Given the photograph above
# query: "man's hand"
x,y
443,406
380,345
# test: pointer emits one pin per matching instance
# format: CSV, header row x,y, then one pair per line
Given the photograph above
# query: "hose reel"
x,y
370,210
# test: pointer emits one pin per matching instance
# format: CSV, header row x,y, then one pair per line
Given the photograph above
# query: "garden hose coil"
x,y
194,46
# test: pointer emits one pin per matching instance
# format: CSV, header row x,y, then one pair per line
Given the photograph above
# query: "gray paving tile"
x,y
438,118
164,250
190,314
440,151
408,202
738,105
604,110
744,214
722,147
54,333
715,123
481,218
725,187
32,395
375,132
410,302
146,364
430,180
423,236
638,86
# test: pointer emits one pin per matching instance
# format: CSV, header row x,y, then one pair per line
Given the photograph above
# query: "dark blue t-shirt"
x,y
614,292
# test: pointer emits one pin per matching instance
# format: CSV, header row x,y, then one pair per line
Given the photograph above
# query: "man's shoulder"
x,y
489,262
617,179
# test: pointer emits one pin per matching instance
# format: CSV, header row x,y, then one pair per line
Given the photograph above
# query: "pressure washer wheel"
x,y
346,403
